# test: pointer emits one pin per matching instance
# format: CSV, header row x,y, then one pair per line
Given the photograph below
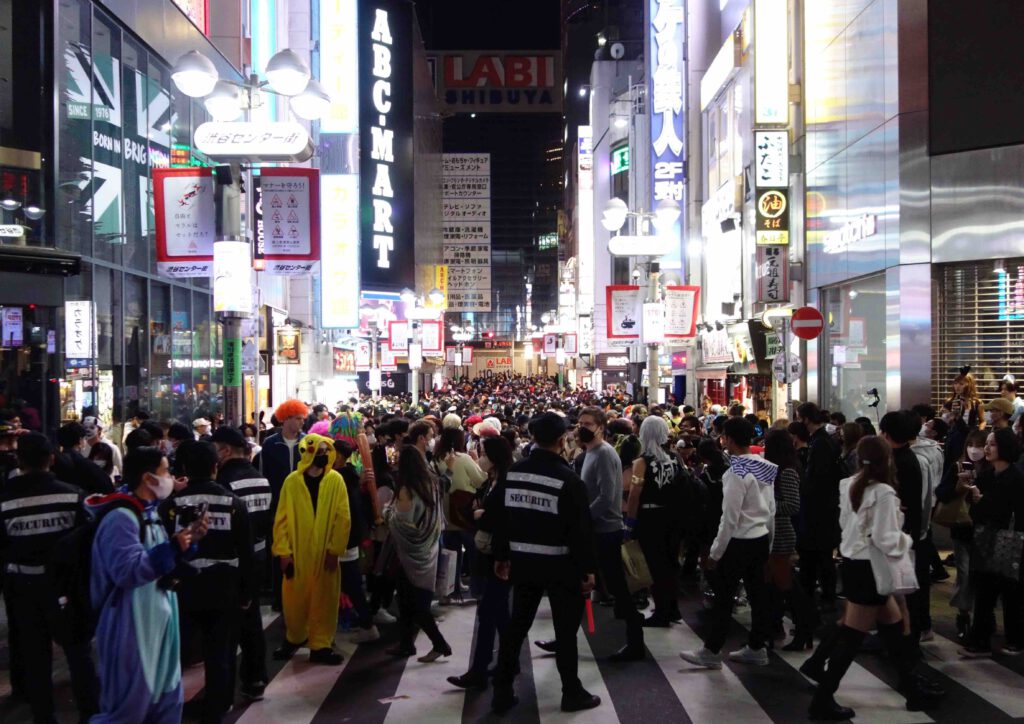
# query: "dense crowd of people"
x,y
497,492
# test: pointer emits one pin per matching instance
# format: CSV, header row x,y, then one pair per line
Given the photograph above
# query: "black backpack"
x,y
71,571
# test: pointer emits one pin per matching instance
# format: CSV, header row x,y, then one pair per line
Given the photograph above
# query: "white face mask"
x,y
251,440
923,432
485,464
988,418
432,444
163,487
976,453
371,439
830,429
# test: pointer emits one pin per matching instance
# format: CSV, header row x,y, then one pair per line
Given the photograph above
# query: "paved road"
x,y
372,688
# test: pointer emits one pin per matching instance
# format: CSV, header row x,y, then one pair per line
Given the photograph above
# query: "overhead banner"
x,y
185,221
624,312
550,343
681,305
363,355
466,230
386,256
498,81
570,343
398,336
289,203
432,334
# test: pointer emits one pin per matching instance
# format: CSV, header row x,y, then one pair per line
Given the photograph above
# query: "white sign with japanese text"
x,y
79,330
255,141
185,221
466,230
681,304
772,274
466,164
466,210
771,162
12,327
363,354
624,314
654,323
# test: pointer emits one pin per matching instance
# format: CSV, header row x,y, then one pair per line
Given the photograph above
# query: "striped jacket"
x,y
221,574
541,519
241,478
36,510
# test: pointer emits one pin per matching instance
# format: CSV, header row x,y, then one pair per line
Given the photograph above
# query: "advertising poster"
x,y
681,304
13,325
185,221
433,337
624,312
466,230
363,353
290,202
398,336
550,343
287,347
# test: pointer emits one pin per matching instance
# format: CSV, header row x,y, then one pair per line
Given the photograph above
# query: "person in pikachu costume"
x,y
311,531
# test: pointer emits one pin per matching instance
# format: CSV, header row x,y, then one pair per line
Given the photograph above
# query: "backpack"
x,y
71,571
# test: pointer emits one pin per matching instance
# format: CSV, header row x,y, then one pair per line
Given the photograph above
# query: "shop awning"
x,y
39,260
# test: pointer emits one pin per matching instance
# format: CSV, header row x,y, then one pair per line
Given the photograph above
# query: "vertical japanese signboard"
x,y
772,274
771,159
772,216
466,212
667,104
79,330
185,221
387,256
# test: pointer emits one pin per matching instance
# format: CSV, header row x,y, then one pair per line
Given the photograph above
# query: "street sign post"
x,y
807,323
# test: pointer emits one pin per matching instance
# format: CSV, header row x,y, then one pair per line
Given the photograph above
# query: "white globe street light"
x,y
287,73
312,103
436,297
666,215
195,74
225,102
615,213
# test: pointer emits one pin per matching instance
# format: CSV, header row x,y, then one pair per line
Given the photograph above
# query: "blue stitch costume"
x,y
137,636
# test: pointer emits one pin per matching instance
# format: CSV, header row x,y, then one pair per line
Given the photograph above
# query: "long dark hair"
x,y
499,452
779,449
414,474
451,440
101,454
876,467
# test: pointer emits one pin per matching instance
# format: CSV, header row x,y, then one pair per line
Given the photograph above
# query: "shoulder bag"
x,y
894,575
998,550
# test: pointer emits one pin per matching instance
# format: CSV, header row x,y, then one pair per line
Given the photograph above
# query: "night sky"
x,y
490,24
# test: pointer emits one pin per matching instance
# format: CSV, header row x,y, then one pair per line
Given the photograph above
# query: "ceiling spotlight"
x,y
583,91
601,40
10,204
312,103
194,74
287,73
34,212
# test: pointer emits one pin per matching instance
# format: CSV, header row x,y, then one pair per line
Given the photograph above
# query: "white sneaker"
x,y
364,635
702,657
747,655
382,616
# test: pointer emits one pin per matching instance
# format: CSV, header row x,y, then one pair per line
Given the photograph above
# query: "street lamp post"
x,y
196,76
644,244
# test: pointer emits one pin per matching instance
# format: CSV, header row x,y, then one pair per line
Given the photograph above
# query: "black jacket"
x,y
1002,496
220,575
277,462
541,521
819,509
244,480
356,507
909,482
75,469
36,510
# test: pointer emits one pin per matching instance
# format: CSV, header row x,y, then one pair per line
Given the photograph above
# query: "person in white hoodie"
x,y
740,550
869,514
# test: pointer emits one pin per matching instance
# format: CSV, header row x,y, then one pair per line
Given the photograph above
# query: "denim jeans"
x,y
493,613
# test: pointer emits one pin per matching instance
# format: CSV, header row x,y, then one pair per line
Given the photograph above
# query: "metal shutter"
x,y
979,321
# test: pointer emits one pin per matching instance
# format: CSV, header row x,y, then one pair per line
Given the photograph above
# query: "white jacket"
x,y
931,459
879,520
748,502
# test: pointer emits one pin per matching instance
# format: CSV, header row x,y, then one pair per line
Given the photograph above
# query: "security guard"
x,y
36,510
544,543
218,583
238,475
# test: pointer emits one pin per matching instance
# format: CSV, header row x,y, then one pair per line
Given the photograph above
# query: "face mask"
x,y
251,440
431,444
976,453
163,488
485,464
586,435
320,460
923,432
830,429
988,418
371,439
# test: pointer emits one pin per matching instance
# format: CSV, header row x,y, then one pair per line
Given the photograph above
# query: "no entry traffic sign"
x,y
807,323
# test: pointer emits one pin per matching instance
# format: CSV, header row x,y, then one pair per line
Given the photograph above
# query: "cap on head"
x,y
229,436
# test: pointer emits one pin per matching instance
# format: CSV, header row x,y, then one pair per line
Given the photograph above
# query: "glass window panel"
x,y
201,354
109,311
137,132
136,344
106,202
74,163
854,347
181,353
161,402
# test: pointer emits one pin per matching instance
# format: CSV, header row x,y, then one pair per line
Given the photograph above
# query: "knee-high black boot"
x,y
824,706
814,667
919,693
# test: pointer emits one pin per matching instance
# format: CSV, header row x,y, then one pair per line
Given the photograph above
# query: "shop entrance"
x,y
28,366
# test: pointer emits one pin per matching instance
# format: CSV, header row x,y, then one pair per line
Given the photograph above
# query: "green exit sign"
x,y
620,160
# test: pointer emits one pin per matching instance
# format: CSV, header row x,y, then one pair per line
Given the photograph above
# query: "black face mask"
x,y
320,461
586,435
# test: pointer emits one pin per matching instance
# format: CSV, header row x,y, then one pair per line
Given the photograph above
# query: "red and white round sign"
x,y
807,323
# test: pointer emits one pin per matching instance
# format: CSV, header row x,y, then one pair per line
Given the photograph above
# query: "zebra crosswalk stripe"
x,y
998,685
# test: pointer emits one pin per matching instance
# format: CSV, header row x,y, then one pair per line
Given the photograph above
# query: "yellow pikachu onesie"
x,y
310,597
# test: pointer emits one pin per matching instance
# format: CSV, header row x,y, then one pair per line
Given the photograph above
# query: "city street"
x,y
372,688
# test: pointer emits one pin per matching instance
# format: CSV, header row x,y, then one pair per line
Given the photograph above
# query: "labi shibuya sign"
x,y
386,256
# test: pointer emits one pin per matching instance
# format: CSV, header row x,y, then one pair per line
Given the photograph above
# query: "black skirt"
x,y
859,583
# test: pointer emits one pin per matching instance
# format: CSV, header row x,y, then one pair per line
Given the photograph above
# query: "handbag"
x,y
954,514
998,550
484,542
638,574
447,562
894,575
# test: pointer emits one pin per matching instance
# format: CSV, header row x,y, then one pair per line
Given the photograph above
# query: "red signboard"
x,y
185,221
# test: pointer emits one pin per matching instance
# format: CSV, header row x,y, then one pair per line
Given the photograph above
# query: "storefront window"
x,y
201,357
74,163
854,348
106,204
161,402
181,352
109,312
136,357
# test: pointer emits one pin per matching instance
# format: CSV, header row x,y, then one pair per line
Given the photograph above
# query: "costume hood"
x,y
307,449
